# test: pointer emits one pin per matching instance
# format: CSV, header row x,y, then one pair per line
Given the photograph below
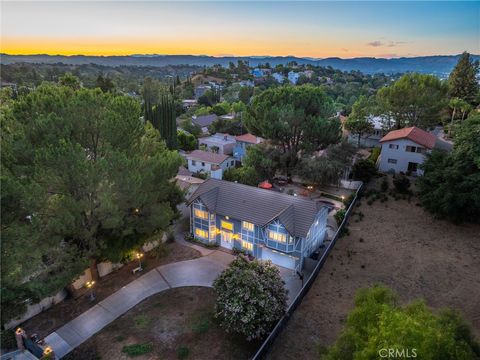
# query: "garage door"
x,y
278,258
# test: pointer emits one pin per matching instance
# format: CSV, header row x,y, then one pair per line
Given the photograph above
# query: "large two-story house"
x,y
269,225
405,149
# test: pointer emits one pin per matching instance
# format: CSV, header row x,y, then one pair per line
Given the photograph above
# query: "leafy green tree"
x,y
327,169
295,119
413,100
222,108
364,170
244,94
76,188
358,123
186,142
251,298
264,159
68,79
244,175
190,127
378,323
450,186
105,84
463,81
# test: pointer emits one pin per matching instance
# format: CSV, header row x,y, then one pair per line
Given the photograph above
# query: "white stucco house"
x,y
209,163
224,142
405,149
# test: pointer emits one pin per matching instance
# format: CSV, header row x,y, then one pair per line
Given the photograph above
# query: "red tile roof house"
x,y
405,149
210,163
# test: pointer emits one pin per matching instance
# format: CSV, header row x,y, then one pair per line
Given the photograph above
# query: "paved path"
x,y
196,272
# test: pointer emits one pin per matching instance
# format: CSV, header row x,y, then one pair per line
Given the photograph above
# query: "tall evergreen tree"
x,y
82,179
162,116
463,82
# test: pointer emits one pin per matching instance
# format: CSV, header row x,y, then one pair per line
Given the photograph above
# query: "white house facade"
x,y
211,164
405,150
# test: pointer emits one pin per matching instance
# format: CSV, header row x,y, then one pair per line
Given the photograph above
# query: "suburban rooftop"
x,y
207,156
258,206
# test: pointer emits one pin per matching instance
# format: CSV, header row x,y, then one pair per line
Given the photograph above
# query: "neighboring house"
x,y
278,77
201,89
188,103
248,83
269,225
211,164
405,149
309,73
293,77
372,139
187,182
257,73
224,142
204,121
242,143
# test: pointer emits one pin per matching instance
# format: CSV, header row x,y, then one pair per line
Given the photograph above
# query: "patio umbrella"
x,y
265,185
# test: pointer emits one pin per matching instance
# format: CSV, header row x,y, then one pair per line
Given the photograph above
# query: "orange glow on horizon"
x,y
219,47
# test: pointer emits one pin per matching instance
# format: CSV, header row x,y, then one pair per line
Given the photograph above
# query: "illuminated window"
x,y
227,225
201,214
273,235
247,226
201,233
247,246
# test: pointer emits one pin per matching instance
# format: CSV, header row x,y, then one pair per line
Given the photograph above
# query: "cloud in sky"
x,y
375,43
388,43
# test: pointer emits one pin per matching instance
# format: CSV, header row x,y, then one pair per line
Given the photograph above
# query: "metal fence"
x,y
264,348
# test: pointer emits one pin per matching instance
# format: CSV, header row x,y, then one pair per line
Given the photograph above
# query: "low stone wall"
x,y
35,309
104,268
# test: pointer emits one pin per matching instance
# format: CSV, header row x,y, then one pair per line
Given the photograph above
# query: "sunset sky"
x,y
309,29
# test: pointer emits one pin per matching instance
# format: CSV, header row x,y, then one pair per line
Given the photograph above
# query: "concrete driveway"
x,y
196,272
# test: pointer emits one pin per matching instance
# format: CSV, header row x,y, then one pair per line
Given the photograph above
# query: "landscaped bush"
x,y
137,349
340,215
402,184
384,185
251,298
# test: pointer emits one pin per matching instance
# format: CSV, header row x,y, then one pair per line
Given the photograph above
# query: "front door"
x,y
226,239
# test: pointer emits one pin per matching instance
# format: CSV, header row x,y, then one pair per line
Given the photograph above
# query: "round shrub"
x,y
251,298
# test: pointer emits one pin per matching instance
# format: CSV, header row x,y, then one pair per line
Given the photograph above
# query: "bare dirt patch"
x,y
53,318
397,244
176,319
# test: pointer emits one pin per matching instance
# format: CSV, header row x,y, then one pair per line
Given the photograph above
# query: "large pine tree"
x,y
463,80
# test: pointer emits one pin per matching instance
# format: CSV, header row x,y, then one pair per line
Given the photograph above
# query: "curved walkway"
x,y
196,272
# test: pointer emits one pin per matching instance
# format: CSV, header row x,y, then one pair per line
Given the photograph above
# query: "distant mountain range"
x,y
440,65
